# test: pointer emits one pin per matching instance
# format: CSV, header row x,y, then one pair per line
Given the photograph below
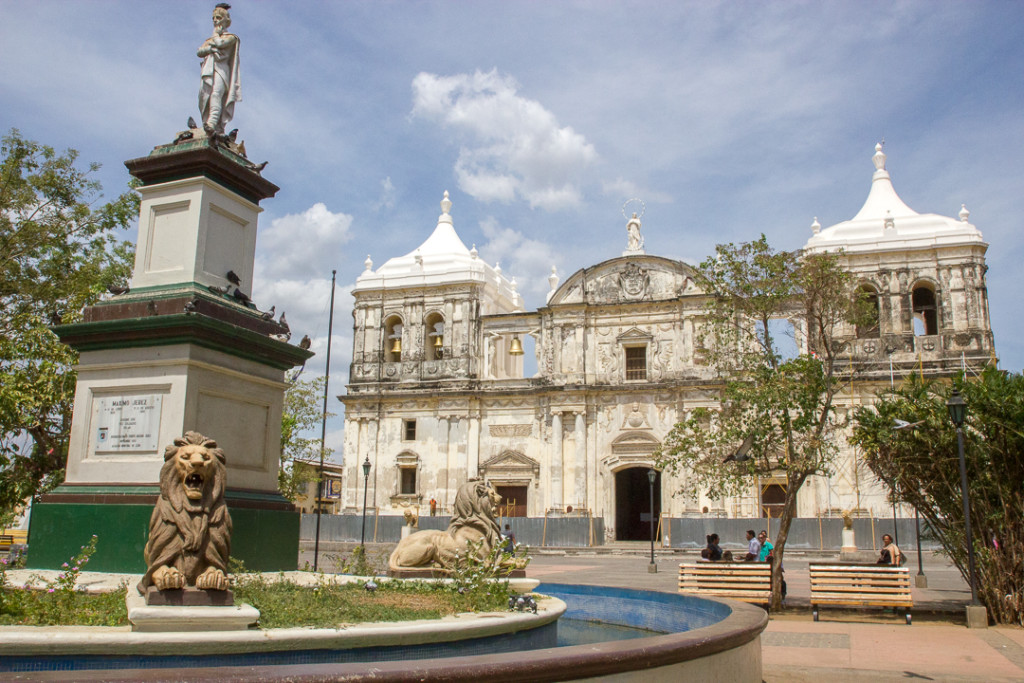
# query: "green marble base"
x,y
264,538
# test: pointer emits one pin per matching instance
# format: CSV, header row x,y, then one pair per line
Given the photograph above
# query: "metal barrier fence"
x,y
580,532
805,533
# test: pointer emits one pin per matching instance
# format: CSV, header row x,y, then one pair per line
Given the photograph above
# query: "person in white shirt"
x,y
753,547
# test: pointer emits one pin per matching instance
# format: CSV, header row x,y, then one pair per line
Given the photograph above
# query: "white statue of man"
x,y
220,87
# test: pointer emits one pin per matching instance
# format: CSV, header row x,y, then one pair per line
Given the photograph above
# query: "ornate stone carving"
x,y
511,430
636,418
634,282
608,358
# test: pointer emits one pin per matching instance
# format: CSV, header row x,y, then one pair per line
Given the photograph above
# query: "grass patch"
x,y
59,602
42,608
284,604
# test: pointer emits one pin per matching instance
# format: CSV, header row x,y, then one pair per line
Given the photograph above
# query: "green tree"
x,y
59,250
775,413
303,412
922,463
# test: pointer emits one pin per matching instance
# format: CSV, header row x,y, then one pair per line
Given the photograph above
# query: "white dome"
x,y
885,223
441,259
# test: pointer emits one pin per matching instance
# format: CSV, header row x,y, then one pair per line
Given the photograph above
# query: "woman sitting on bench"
x,y
890,554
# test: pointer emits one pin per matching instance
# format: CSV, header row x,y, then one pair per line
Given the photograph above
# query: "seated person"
x,y
891,553
714,551
727,556
765,555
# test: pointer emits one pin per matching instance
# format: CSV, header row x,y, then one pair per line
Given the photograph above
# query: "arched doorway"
x,y
633,516
773,499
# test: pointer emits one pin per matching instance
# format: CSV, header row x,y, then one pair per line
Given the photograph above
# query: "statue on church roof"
x,y
636,240
220,84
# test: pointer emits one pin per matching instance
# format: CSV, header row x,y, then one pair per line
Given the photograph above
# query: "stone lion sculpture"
x,y
847,519
190,529
472,521
412,517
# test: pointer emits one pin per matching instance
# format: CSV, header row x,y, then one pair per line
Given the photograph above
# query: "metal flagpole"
x,y
323,426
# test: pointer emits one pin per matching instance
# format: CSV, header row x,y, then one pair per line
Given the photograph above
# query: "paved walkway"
x,y
864,645
870,645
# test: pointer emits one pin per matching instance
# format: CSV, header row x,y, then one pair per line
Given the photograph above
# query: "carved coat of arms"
x,y
634,281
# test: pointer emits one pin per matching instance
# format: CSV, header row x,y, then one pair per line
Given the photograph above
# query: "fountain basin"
x,y
702,639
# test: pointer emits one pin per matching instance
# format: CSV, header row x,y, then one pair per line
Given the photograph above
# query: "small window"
x,y
408,430
636,362
408,480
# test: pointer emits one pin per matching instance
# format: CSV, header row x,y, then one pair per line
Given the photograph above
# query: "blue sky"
x,y
542,118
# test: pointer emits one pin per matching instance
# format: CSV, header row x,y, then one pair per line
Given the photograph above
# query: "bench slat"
x,y
864,584
755,596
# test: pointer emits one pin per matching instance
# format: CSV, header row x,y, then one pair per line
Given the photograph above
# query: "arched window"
x,y
434,341
867,324
926,321
393,339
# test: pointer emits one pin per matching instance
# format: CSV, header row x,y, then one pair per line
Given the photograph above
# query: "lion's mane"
x,y
189,535
474,508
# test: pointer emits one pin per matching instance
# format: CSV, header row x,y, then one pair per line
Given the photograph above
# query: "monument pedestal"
x,y
177,353
170,618
848,551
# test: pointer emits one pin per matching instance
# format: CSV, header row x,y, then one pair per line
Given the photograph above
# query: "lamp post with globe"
x,y
366,484
652,474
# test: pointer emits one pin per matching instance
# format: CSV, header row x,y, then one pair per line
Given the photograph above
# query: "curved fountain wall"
x,y
703,639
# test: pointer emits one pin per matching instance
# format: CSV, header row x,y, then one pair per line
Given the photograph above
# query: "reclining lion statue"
x,y
472,521
190,529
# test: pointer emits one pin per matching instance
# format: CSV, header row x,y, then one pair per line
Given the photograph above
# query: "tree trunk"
x,y
788,512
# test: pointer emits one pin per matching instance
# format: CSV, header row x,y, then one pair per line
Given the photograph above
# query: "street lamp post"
x,y
652,474
921,581
957,414
366,485
895,529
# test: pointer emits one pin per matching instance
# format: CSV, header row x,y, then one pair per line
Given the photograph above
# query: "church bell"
x,y
396,346
516,347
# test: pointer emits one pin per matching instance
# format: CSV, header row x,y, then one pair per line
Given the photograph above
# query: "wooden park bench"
x,y
12,537
860,585
744,581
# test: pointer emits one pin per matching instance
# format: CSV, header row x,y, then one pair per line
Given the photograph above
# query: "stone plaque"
x,y
128,423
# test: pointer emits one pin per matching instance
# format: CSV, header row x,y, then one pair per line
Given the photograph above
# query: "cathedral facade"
x,y
437,392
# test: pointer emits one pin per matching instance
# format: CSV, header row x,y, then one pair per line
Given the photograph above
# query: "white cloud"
x,y
528,260
387,195
301,243
511,146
